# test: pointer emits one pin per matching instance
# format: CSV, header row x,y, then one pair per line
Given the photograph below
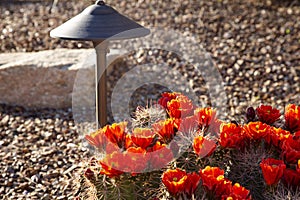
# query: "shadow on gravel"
x,y
45,113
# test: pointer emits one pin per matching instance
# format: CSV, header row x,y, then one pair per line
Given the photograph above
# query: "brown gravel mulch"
x,y
254,44
40,152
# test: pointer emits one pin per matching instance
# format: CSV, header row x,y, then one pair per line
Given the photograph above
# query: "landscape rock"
x,y
46,79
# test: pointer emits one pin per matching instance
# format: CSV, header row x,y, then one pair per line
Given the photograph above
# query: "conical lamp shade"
x,y
99,22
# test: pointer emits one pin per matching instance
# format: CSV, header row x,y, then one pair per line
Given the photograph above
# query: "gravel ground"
x,y
40,152
254,44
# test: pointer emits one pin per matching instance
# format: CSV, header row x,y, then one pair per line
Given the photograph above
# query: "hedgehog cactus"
x,y
126,186
244,169
175,150
145,117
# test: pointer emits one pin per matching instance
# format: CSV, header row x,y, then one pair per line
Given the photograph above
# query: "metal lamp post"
x,y
99,23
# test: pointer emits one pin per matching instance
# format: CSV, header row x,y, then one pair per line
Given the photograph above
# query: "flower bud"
x,y
89,174
250,114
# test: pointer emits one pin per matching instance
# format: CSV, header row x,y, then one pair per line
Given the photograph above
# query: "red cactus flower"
x,y
135,160
231,135
128,142
192,183
267,114
209,177
292,117
296,136
166,97
277,136
178,181
205,116
165,129
238,193
291,178
187,125
158,145
203,147
214,126
111,148
159,156
142,137
111,164
272,170
116,133
256,130
223,186
180,107
291,150
97,139
174,180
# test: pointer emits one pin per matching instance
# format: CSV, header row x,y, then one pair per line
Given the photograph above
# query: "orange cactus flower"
x,y
291,178
166,97
97,139
111,164
267,114
159,156
116,133
205,116
203,147
291,150
133,160
191,183
165,129
142,137
272,170
298,166
231,135
256,130
209,177
277,136
174,180
180,107
292,117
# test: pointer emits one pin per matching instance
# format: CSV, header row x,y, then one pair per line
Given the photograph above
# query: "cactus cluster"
x,y
174,150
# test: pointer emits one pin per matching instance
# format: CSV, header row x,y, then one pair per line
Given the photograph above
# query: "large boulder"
x,y
46,79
